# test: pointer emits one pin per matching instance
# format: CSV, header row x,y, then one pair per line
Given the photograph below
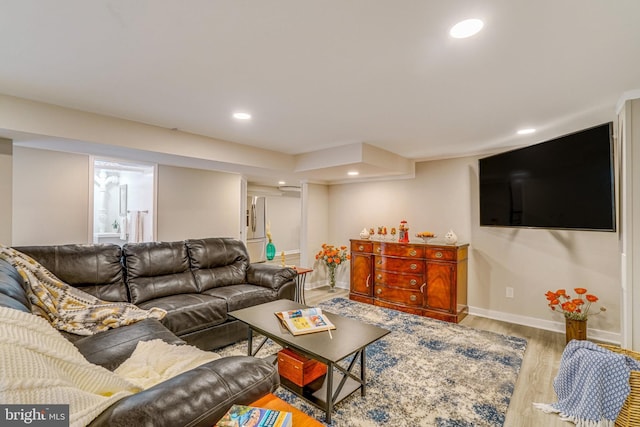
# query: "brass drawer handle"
x,y
379,276
379,262
368,277
379,291
438,254
413,282
361,248
379,250
413,252
413,266
413,298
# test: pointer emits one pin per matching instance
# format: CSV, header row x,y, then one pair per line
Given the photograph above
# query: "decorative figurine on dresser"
x,y
420,278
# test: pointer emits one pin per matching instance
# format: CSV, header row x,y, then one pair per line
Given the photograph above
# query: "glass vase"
x,y
271,251
332,278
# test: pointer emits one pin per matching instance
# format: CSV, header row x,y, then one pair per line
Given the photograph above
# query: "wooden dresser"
x,y
419,278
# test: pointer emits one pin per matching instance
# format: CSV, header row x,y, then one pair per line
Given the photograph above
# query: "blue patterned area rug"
x,y
424,373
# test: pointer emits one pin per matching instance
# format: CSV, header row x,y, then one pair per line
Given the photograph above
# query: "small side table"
x,y
300,279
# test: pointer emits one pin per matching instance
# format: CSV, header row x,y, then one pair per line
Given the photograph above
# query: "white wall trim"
x,y
548,325
626,96
323,282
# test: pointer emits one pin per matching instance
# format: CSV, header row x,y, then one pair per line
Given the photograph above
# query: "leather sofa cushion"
x,y
189,312
95,269
218,262
157,269
242,296
112,347
12,288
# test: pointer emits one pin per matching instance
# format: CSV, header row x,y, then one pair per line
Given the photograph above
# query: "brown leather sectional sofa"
x,y
197,282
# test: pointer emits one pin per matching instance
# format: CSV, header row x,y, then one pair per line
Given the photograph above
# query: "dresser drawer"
x,y
400,265
395,280
400,307
444,254
395,249
361,246
407,297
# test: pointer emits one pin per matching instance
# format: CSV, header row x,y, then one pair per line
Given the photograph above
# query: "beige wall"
x,y
436,200
316,225
51,200
50,197
194,203
444,195
6,190
284,213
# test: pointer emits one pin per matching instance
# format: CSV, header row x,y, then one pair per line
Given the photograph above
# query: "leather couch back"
x,y
218,261
139,272
95,269
157,269
12,288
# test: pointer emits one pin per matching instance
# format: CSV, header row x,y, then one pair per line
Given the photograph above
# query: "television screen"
x,y
564,183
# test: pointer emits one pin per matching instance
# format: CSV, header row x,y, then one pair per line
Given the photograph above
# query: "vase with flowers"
x,y
333,257
576,311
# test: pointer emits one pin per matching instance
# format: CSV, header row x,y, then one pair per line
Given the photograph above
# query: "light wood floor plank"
x,y
539,367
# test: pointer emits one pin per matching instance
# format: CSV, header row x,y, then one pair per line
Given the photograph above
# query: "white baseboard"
x,y
548,325
313,285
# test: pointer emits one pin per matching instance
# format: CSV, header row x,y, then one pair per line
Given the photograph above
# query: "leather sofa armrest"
x,y
270,276
199,397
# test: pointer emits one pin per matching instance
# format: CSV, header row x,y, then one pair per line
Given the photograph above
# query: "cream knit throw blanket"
x,y
68,308
155,361
39,366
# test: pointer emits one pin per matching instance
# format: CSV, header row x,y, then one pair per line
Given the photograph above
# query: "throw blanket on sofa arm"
x,y
592,385
39,366
70,309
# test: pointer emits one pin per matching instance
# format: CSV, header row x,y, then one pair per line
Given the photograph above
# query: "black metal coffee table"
x,y
350,337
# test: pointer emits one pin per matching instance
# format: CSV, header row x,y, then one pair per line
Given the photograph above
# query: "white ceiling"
x,y
324,74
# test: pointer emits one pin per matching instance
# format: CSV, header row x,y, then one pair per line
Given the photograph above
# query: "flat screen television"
x,y
564,183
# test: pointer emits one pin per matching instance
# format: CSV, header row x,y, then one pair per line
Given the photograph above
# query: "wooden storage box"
x,y
298,369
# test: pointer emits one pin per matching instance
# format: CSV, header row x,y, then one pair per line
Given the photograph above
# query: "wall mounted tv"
x,y
564,183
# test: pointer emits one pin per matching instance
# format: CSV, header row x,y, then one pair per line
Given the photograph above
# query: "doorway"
x,y
123,201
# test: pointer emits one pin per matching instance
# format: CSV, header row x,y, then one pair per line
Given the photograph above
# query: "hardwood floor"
x,y
539,367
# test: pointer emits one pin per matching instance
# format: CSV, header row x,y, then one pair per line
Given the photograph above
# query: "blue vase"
x,y
271,251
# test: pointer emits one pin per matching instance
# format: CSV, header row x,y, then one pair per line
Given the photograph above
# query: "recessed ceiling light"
x,y
353,173
242,116
282,182
466,28
526,131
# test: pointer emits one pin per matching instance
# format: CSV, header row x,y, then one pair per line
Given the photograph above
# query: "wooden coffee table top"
x,y
300,419
349,336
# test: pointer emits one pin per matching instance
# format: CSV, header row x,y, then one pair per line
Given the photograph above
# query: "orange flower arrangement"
x,y
573,308
332,256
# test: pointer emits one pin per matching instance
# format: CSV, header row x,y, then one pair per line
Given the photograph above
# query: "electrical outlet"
x,y
509,293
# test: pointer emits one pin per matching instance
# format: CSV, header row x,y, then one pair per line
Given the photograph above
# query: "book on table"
x,y
251,416
305,321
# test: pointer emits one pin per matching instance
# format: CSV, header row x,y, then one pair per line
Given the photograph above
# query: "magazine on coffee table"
x,y
305,321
